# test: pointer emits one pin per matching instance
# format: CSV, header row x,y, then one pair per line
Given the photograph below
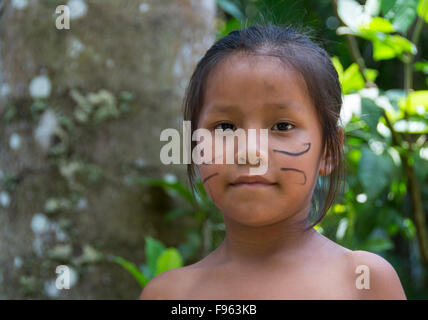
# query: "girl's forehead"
x,y
240,62
253,78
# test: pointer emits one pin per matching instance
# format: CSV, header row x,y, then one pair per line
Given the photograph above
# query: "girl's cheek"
x,y
292,173
212,174
293,163
213,178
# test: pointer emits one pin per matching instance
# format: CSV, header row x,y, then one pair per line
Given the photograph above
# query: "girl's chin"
x,y
253,196
251,213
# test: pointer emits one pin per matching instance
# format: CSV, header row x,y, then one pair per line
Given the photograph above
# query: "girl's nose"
x,y
256,150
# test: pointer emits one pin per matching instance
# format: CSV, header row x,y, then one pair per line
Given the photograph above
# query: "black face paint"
x,y
283,169
210,176
293,169
294,155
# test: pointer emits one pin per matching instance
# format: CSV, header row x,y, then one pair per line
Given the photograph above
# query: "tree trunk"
x,y
81,110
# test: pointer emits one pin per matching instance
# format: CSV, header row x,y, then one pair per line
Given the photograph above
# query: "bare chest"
x,y
307,283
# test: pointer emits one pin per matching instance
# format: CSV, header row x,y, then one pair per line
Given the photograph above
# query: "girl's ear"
x,y
326,165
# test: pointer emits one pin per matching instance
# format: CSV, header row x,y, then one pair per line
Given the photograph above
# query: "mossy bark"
x,y
119,46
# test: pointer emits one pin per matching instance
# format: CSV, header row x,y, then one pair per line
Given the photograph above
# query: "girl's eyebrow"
x,y
284,106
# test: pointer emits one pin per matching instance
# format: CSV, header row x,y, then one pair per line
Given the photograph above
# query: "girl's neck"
x,y
258,245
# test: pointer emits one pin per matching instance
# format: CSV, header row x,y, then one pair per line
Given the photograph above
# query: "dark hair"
x,y
295,49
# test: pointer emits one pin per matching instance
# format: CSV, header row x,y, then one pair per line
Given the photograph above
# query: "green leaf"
x,y
227,27
400,13
338,66
386,6
354,156
153,250
377,24
422,9
169,259
394,95
390,46
375,172
371,74
132,269
370,114
351,79
183,191
381,51
414,101
339,208
421,66
401,44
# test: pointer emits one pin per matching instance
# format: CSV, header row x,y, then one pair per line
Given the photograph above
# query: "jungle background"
x,y
81,111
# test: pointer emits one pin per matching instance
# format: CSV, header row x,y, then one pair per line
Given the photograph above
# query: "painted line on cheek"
x,y
297,170
210,194
210,176
295,154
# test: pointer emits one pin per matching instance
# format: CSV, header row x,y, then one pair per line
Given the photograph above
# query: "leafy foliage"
x,y
209,229
158,259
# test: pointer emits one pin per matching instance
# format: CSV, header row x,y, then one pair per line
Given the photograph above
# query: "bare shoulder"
x,y
379,280
168,285
360,274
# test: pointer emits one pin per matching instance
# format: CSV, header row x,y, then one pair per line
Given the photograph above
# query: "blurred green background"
x,y
152,222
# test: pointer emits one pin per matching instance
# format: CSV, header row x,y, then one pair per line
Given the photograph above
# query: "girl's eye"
x,y
283,126
224,126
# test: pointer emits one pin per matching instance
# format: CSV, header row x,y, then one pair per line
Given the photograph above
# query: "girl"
x,y
275,78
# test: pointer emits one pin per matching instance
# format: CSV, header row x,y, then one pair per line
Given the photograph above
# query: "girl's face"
x,y
258,92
